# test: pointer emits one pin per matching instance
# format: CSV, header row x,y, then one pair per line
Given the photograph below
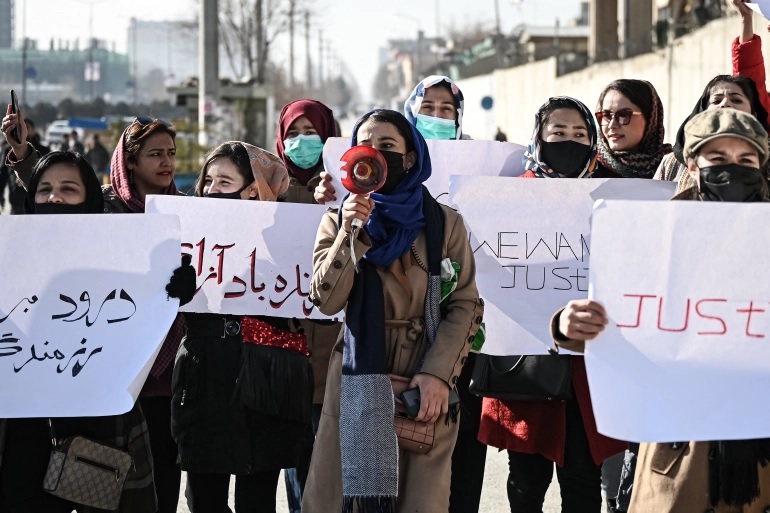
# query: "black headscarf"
x,y
94,199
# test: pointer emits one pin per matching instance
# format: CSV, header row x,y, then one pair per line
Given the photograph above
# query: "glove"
x,y
182,284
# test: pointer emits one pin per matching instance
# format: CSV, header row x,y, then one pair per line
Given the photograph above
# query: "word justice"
x,y
280,287
704,316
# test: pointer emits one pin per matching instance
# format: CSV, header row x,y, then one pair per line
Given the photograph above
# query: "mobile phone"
x,y
15,110
411,400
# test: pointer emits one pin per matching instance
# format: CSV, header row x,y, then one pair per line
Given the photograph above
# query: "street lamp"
x,y
91,75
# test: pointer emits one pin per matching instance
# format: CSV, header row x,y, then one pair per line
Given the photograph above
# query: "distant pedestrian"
x,y
98,156
64,145
75,144
500,135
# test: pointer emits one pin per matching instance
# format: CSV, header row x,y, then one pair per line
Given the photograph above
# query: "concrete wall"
x,y
679,73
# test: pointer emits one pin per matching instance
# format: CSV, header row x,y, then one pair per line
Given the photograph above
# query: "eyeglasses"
x,y
623,116
146,120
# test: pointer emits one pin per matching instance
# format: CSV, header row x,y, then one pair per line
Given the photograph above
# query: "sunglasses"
x,y
146,120
623,116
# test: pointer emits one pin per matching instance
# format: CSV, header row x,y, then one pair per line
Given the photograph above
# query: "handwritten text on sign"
x,y
531,243
251,257
466,157
84,310
687,290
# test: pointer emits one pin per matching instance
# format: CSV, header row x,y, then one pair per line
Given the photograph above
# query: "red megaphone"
x,y
364,170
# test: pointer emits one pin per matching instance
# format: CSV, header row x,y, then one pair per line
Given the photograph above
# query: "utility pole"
x,y
320,58
292,4
208,65
24,54
308,63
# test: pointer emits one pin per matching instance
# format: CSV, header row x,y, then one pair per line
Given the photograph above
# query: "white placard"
x,y
252,257
466,157
531,243
686,355
83,310
760,6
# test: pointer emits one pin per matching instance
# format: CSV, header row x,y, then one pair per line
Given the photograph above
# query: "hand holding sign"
x,y
760,6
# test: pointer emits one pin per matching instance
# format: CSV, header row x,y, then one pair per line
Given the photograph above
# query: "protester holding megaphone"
x,y
396,324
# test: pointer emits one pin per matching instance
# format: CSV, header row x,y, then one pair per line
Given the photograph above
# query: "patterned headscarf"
x,y
532,159
322,119
642,161
412,104
269,172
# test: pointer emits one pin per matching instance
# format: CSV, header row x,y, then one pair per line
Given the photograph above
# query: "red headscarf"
x,y
322,119
121,182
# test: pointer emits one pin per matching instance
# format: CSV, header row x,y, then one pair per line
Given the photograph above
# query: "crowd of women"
x,y
249,395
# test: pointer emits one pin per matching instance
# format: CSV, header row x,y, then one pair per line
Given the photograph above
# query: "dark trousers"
x,y
296,477
470,456
579,478
166,471
254,493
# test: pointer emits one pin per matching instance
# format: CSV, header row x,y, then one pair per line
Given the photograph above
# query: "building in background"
x,y
7,16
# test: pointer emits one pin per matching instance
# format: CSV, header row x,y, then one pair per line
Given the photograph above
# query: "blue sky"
x,y
355,28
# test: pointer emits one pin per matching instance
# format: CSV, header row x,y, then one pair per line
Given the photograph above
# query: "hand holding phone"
x,y
16,132
411,400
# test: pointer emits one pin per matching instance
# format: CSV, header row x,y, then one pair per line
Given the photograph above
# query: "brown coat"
x,y
423,478
321,335
673,478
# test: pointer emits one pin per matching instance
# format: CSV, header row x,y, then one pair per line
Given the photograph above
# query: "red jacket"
x,y
540,427
748,62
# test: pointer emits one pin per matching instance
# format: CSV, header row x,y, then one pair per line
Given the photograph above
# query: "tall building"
x,y
6,23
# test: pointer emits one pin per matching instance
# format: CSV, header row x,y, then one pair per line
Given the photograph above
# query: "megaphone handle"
x,y
357,223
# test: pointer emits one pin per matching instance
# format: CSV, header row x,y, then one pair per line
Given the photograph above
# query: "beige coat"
x,y
321,335
673,478
423,478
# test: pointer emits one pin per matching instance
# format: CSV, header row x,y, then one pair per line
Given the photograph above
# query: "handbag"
x,y
523,377
413,436
86,472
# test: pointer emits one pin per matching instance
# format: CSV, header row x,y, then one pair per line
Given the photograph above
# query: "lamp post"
x,y
92,75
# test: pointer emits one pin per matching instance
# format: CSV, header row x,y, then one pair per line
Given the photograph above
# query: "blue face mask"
x,y
304,150
436,128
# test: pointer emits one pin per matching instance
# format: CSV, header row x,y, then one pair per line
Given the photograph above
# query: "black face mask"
x,y
396,171
568,158
228,195
731,182
61,208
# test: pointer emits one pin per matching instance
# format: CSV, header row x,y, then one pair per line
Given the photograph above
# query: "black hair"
x,y
236,153
555,104
94,199
388,116
638,92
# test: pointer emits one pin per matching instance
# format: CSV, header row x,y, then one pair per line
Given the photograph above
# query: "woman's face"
x,y
222,175
622,137
301,126
727,94
722,151
565,125
61,183
439,103
156,162
384,136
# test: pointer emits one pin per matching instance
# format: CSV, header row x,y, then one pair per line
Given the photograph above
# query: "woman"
x,y
722,91
630,114
538,434
747,55
64,183
303,128
719,145
393,326
242,384
143,163
435,107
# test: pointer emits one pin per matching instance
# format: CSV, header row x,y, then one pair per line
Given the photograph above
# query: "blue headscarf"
x,y
412,104
532,159
397,217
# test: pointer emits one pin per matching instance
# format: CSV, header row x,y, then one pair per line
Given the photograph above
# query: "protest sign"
x,y
760,6
251,257
466,157
83,310
687,289
531,243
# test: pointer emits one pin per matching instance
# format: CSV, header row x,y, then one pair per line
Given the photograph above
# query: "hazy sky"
x,y
355,28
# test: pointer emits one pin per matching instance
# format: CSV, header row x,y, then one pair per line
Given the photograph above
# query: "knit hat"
x,y
270,174
715,123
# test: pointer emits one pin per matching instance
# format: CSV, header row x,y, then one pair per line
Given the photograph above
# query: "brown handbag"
x,y
413,436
